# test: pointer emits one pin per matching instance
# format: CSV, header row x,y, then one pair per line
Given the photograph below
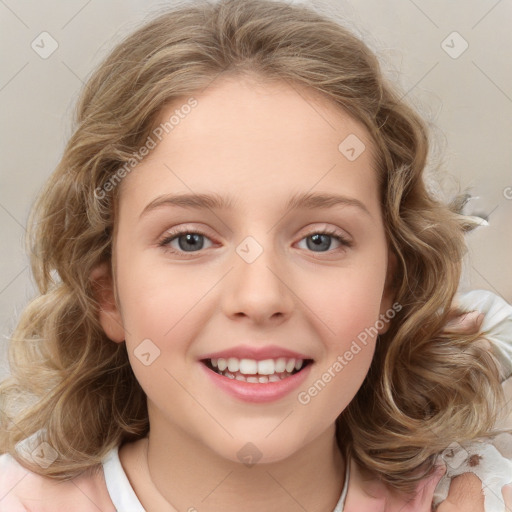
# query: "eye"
x,y
322,240
185,241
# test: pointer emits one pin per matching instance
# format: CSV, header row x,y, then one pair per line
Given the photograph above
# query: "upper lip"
x,y
257,353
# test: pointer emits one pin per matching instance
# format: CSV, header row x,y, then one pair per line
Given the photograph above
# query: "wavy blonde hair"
x,y
425,388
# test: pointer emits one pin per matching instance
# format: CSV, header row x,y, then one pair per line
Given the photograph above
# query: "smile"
x,y
253,371
250,380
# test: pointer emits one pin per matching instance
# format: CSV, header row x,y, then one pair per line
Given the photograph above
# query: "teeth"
x,y
262,379
253,367
290,365
266,367
250,370
248,366
280,365
233,364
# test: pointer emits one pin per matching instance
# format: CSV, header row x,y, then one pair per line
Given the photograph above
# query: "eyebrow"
x,y
217,202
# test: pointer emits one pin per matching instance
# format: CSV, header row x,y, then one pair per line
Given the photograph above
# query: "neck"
x,y
190,477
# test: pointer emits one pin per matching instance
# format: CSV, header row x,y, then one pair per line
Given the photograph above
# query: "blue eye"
x,y
322,240
192,241
186,240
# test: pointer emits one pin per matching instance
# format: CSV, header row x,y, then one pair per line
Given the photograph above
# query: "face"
x,y
307,277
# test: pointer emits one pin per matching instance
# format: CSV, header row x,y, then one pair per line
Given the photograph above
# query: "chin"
x,y
259,451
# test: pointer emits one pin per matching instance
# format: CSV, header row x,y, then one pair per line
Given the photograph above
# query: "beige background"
x,y
467,95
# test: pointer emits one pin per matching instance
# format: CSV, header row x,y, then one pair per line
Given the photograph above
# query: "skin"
x,y
259,144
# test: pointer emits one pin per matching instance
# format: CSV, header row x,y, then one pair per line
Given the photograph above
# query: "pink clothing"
x,y
24,491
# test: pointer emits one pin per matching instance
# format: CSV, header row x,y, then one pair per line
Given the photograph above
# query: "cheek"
x,y
340,374
160,314
350,303
346,309
166,306
153,297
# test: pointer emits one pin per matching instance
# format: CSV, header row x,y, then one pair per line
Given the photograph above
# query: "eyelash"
x,y
173,234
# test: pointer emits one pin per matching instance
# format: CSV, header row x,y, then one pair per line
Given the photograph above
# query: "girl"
x,y
248,297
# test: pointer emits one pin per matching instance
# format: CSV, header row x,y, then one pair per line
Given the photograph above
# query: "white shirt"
x,y
121,492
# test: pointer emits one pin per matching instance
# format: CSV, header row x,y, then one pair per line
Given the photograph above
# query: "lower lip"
x,y
258,392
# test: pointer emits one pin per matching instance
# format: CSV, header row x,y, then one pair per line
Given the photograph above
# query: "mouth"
x,y
257,372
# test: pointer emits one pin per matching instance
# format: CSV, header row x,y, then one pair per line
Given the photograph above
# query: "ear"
x,y
109,314
387,312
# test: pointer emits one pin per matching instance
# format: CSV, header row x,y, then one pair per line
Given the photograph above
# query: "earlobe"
x,y
108,310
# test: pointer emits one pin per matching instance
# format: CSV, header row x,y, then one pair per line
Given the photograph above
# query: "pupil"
x,y
192,240
317,241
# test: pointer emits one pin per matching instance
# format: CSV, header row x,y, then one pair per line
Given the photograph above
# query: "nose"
x,y
259,290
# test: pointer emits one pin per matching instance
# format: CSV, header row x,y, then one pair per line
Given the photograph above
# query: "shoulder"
x,y
22,490
367,493
496,326
497,310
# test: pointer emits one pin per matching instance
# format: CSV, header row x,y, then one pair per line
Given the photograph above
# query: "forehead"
x,y
254,140
271,112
